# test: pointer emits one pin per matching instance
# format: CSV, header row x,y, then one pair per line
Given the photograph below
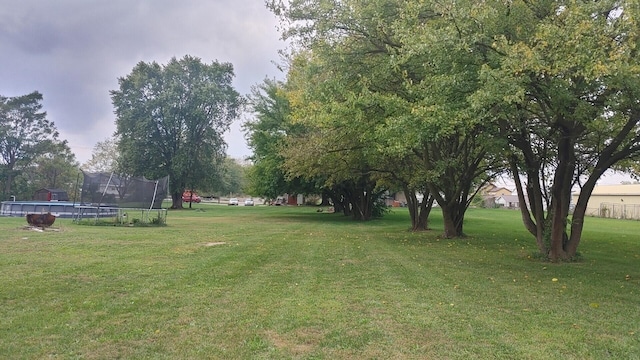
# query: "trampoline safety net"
x,y
108,189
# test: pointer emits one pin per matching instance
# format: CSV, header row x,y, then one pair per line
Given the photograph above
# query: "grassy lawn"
x,y
291,283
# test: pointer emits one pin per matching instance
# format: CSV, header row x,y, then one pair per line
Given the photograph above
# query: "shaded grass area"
x,y
291,283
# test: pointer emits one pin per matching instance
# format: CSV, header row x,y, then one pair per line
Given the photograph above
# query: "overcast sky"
x,y
74,51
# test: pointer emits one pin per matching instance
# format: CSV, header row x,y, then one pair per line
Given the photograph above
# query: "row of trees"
x,y
437,97
170,121
31,154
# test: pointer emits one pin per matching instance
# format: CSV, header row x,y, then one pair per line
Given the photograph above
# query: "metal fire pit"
x,y
41,220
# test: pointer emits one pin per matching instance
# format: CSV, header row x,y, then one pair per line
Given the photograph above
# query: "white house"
x,y
508,201
490,193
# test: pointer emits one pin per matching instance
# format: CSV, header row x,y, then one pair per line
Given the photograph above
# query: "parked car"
x,y
233,201
248,202
190,196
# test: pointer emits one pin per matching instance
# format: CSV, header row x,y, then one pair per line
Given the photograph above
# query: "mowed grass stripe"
x,y
285,282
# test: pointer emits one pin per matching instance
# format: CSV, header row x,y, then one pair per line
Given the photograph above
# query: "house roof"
x,y
617,190
493,188
51,190
509,198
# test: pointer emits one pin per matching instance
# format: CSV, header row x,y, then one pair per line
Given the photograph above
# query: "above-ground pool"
x,y
61,209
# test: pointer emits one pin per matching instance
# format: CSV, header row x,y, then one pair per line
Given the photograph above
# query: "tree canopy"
x,y
171,119
563,86
389,98
464,90
55,169
104,157
25,136
265,137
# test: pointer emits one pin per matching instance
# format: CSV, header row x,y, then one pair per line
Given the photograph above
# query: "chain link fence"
x,y
619,211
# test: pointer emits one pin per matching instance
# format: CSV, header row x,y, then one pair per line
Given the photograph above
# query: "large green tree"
x,y
267,133
265,136
327,86
455,143
25,134
56,169
335,148
171,119
563,82
394,79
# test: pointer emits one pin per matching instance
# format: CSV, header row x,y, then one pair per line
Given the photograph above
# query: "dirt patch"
x,y
218,243
39,228
300,343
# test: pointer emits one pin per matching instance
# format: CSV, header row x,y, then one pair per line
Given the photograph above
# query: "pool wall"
x,y
61,209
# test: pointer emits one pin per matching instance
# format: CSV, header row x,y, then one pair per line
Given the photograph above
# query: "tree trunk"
x,y
361,205
325,199
577,223
176,200
453,219
338,206
418,211
9,183
558,233
535,207
190,198
342,204
346,209
560,200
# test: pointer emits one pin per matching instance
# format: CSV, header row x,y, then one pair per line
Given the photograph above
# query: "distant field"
x,y
291,283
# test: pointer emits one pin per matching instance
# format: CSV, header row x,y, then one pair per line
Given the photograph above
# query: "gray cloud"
x,y
73,52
